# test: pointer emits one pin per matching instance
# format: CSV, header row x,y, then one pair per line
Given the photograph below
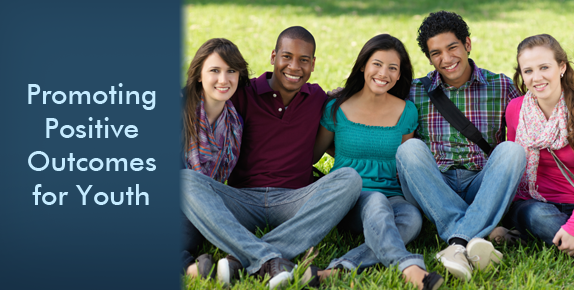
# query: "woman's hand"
x,y
567,245
334,92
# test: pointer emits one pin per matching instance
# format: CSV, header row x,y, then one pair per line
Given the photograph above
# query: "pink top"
x,y
552,184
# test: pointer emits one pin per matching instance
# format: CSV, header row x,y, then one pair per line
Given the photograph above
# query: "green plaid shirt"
x,y
483,100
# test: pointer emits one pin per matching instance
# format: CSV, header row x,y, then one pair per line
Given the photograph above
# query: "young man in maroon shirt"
x,y
272,183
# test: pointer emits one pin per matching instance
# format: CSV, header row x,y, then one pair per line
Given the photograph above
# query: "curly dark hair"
x,y
441,22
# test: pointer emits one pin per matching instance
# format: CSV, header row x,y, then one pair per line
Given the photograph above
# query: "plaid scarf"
x,y
533,133
216,152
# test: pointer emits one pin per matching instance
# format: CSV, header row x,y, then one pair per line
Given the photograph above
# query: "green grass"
x,y
535,266
340,29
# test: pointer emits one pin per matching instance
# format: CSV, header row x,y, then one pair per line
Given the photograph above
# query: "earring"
x,y
430,62
562,75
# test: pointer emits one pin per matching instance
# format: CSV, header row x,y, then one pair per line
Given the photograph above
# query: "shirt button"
x,y
274,95
280,109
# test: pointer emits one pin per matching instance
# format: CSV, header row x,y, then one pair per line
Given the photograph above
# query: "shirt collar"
x,y
476,76
263,86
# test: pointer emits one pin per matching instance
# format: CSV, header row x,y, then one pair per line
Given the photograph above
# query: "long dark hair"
x,y
356,80
566,82
231,55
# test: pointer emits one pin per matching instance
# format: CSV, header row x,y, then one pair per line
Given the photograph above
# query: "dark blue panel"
x,y
89,46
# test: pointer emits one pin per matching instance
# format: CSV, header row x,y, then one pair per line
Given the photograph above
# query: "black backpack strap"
x,y
454,116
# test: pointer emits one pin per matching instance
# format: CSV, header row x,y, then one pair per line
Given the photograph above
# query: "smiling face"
x,y
382,71
219,81
449,56
541,72
293,63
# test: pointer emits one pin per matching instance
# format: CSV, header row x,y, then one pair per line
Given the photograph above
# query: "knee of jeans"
x,y
407,152
512,151
188,175
537,214
540,220
190,180
410,220
352,182
374,198
371,202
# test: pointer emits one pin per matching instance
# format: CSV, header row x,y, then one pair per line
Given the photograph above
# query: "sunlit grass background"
x,y
340,29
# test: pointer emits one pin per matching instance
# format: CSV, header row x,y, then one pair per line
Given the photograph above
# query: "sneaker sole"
x,y
280,280
455,269
485,252
223,274
438,284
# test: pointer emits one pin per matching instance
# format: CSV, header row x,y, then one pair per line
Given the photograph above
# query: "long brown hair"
x,y
566,82
193,89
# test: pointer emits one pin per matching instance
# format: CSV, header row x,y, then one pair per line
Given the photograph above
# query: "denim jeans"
x,y
192,241
388,225
543,220
227,216
461,203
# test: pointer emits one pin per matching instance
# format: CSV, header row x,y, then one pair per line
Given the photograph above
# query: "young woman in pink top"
x,y
542,122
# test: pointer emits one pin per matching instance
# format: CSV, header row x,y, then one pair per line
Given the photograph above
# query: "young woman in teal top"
x,y
367,121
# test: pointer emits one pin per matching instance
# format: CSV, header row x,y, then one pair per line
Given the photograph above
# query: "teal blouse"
x,y
370,150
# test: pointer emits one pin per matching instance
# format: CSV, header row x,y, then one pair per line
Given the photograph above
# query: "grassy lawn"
x,y
340,29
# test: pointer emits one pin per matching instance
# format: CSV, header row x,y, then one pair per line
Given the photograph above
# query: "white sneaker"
x,y
227,269
481,252
455,261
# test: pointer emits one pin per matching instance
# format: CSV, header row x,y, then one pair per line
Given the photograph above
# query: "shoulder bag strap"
x,y
567,174
455,117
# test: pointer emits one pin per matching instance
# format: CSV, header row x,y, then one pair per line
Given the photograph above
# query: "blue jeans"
x,y
227,216
192,241
388,225
543,220
461,203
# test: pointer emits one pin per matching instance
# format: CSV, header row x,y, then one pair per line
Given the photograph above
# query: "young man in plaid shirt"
x,y
461,189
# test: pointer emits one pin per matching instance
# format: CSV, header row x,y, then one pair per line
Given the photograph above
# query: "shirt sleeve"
x,y
512,115
411,118
569,225
327,119
413,92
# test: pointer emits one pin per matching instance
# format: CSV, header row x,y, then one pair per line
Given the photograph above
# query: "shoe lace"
x,y
462,250
474,258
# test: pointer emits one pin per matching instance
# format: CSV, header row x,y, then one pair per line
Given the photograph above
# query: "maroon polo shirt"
x,y
277,143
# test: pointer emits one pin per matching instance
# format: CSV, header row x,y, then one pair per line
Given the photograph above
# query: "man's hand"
x,y
334,92
564,241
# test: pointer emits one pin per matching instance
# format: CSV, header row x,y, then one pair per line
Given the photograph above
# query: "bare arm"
x,y
331,150
408,136
334,92
323,141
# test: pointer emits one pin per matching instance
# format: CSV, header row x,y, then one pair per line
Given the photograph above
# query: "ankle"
x,y
415,275
457,241
324,274
192,270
